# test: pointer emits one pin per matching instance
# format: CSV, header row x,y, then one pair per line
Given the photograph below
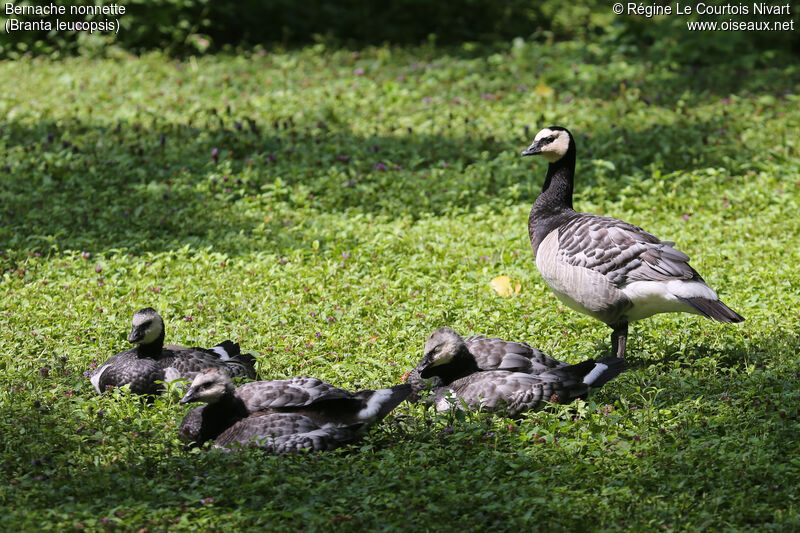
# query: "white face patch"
x,y
444,356
547,132
555,149
206,378
448,342
141,318
152,332
209,388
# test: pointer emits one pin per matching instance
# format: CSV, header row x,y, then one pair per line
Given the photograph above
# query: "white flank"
x,y
170,374
446,402
596,372
95,379
223,355
374,404
582,289
652,297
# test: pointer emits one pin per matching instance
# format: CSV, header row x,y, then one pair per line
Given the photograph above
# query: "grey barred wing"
x,y
292,392
125,368
492,354
282,433
497,354
187,364
322,439
260,431
622,252
493,389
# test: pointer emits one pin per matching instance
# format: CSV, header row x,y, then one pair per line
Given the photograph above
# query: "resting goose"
x,y
489,353
282,416
150,361
514,392
608,269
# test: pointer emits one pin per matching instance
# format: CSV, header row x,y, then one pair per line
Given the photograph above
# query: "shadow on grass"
x,y
121,465
150,188
601,70
141,479
737,368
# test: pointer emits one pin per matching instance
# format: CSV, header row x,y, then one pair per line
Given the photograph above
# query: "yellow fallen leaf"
x,y
544,90
505,286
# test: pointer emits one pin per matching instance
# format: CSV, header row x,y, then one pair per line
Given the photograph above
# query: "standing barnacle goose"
x,y
284,415
608,269
448,358
150,361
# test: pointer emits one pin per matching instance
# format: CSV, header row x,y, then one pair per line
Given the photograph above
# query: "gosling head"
x,y
147,326
442,346
551,143
209,386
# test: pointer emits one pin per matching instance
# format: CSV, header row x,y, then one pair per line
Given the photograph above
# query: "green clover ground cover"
x,y
328,210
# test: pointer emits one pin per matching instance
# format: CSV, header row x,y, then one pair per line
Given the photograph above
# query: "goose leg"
x,y
619,338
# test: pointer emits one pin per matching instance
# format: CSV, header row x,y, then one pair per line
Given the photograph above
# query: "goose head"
x,y
209,386
147,326
443,346
552,143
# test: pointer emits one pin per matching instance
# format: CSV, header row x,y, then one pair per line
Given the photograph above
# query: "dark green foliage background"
x,y
191,26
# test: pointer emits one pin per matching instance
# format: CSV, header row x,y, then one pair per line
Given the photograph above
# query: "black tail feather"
x,y
230,347
246,358
579,372
242,366
714,309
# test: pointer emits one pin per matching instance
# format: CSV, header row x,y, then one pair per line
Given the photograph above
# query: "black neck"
x,y
230,405
462,364
557,190
151,349
222,414
555,200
